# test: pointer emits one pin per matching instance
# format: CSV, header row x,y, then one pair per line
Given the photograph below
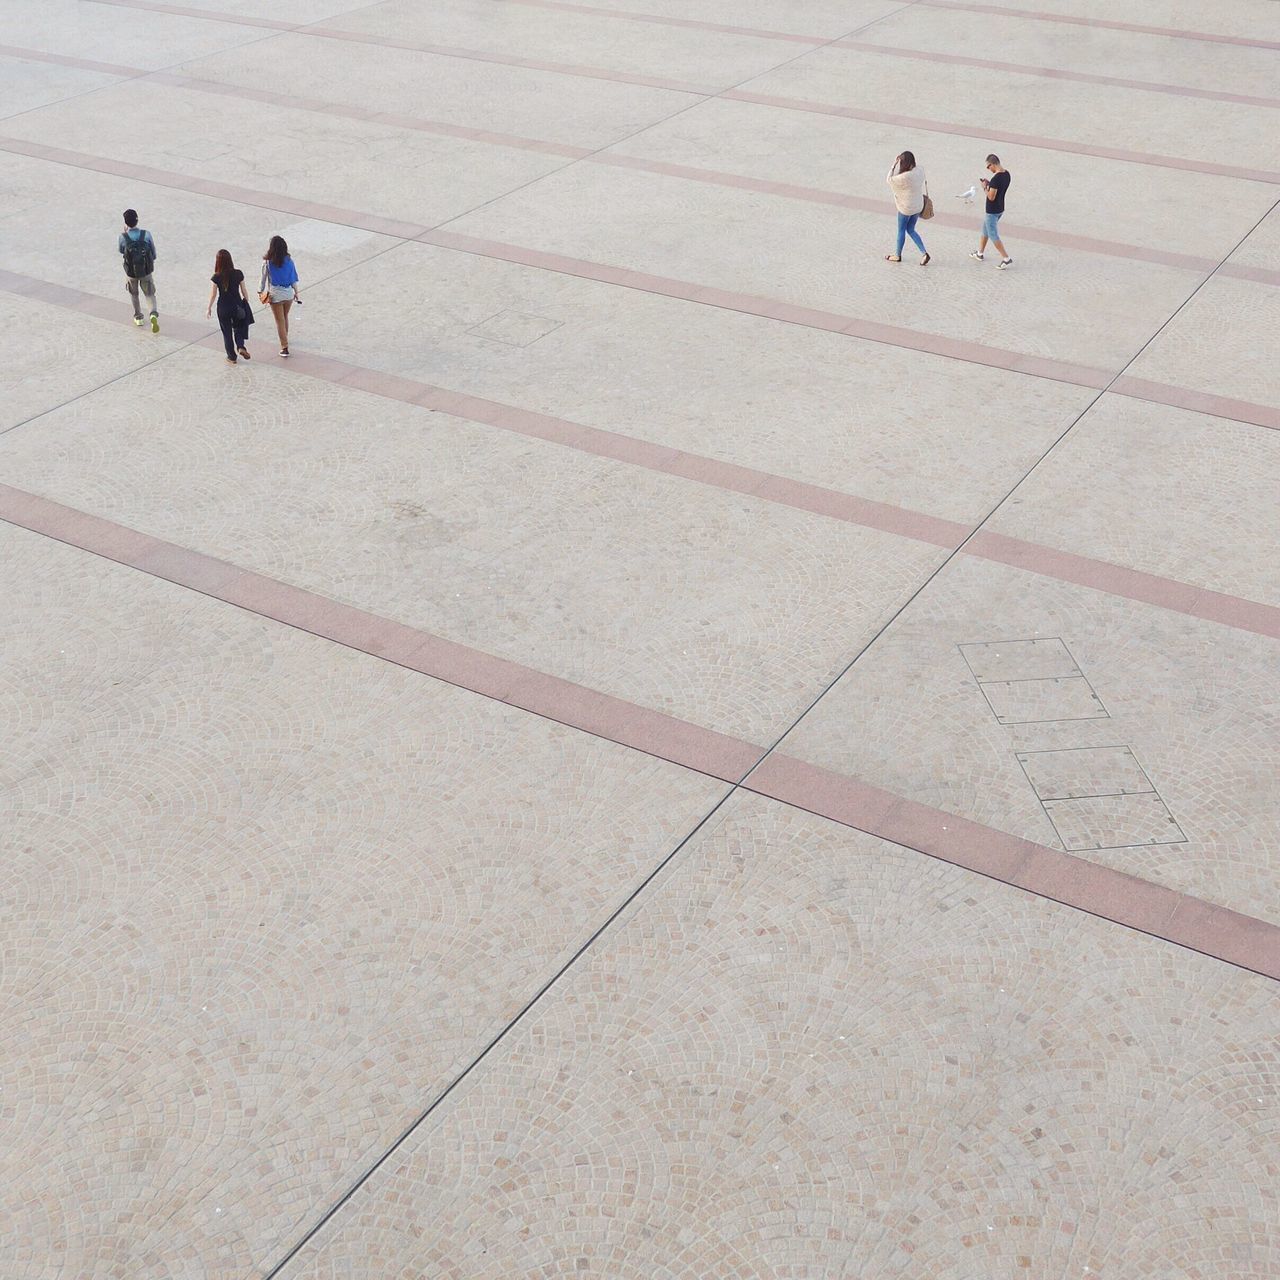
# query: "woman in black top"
x,y
234,315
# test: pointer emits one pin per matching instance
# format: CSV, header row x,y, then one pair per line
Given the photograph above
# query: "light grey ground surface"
x,y
265,898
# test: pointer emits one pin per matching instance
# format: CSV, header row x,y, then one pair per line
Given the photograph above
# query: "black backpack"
x,y
139,260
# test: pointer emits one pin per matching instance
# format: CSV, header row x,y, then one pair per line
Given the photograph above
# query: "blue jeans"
x,y
907,227
991,225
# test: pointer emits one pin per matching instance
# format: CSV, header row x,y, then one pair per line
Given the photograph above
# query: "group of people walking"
x,y
278,281
277,287
911,198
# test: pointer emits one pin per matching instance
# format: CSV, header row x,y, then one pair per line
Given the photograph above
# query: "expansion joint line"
x,y
277,1270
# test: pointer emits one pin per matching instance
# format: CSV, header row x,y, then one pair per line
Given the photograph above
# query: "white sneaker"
x,y
977,255
1008,262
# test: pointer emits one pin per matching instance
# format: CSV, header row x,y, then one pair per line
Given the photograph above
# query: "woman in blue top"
x,y
279,286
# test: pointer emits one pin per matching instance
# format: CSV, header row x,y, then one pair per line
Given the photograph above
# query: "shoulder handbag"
x,y
264,291
926,210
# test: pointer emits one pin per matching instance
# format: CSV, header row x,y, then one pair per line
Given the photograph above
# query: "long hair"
x,y
906,162
277,251
223,267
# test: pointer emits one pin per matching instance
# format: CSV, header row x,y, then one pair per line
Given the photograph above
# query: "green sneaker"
x,y
138,321
155,323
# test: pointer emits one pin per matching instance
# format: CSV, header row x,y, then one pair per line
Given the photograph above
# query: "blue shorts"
x,y
991,225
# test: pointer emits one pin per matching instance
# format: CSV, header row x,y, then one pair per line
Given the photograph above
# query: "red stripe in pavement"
x,y
419,46
1053,73
294,102
209,15
1016,139
728,476
714,177
739,95
90,304
1226,935
1189,922
1260,415
1132,584
884,208
1063,566
663,20
65,60
1106,24
596,713
1259,275
868,330
218,190
773,309
510,60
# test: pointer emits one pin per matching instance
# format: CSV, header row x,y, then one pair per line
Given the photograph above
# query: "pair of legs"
x,y
147,285
907,227
991,231
281,312
235,337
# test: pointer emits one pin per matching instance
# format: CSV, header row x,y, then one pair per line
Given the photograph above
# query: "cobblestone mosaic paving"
x,y
656,743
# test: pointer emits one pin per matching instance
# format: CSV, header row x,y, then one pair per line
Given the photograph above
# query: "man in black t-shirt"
x,y
995,187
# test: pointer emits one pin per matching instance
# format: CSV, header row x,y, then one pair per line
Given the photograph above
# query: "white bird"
x,y
967,196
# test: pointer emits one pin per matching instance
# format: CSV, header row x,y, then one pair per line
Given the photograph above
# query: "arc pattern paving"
x,y
657,742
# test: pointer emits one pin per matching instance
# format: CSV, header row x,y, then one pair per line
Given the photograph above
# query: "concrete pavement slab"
x,y
1194,701
808,1053
1158,489
353,701
265,895
477,536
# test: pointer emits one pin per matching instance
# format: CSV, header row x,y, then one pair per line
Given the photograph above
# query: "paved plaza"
x,y
657,744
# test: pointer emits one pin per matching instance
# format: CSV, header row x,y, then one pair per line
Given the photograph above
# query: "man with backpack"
x,y
138,250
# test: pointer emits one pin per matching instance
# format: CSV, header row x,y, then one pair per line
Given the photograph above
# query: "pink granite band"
x,y
66,60
690,173
1261,415
1016,139
1101,24
739,95
1053,73
1176,917
665,20
1096,575
773,309
600,714
1050,873
209,15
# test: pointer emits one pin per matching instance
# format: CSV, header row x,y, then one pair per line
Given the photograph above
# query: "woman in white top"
x,y
907,183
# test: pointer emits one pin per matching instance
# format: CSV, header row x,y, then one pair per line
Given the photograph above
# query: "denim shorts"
x,y
991,225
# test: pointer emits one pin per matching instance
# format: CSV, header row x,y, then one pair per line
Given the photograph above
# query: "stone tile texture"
x,y
811,1053
361,713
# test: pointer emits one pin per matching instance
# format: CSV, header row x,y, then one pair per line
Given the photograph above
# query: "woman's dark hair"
x,y
906,162
277,251
223,267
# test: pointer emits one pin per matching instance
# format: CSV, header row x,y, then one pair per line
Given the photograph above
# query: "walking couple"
x,y
911,198
277,288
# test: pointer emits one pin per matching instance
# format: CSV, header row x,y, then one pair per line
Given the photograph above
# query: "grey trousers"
x,y
148,286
